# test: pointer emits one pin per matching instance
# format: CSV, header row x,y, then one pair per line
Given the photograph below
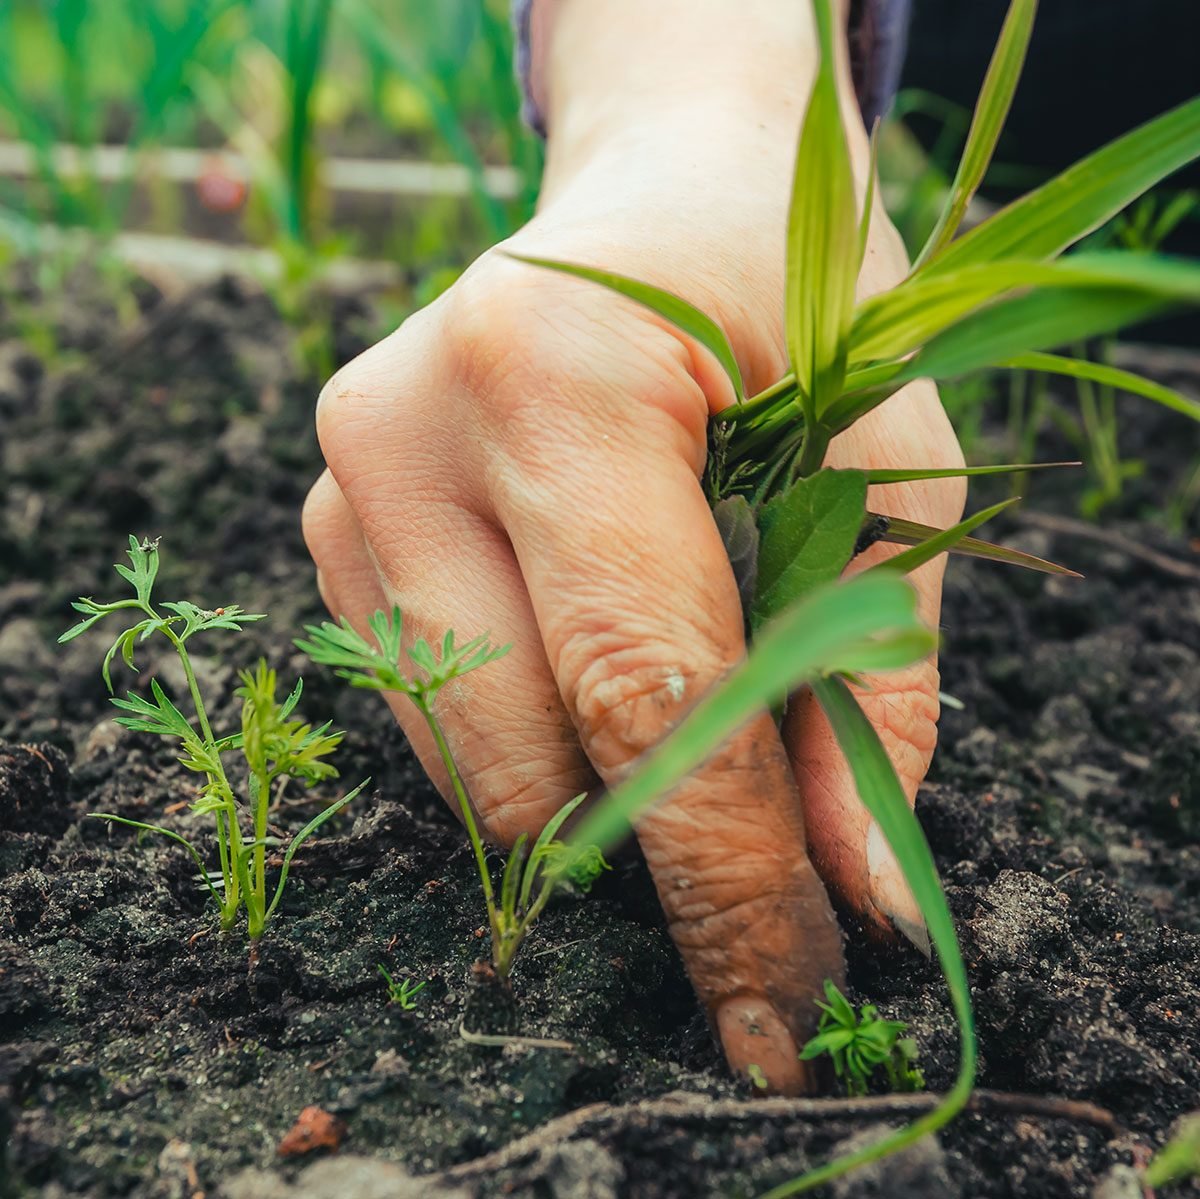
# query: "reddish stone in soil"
x,y
315,1128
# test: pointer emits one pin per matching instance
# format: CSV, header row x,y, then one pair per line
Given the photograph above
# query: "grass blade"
x,y
876,477
684,316
302,836
883,797
1054,216
941,543
810,638
1111,376
991,111
894,323
910,532
822,239
1039,321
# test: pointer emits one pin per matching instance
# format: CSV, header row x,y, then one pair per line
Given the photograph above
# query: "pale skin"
x,y
523,457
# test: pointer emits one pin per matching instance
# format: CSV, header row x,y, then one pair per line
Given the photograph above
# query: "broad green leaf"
x,y
940,543
684,316
822,262
875,477
991,111
1098,372
911,532
806,537
896,322
1046,221
884,798
813,637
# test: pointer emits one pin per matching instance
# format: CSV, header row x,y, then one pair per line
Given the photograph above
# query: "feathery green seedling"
x,y
529,878
273,745
861,1044
997,297
403,993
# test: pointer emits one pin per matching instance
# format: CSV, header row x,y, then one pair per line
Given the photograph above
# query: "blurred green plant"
x,y
1179,1159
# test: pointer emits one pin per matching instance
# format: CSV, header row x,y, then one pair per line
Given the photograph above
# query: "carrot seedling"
x,y
529,877
862,1044
273,745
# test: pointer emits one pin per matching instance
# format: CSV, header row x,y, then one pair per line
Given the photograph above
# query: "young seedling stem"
x,y
550,864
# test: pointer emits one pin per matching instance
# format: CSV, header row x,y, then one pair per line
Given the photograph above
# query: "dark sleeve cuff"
x,y
878,38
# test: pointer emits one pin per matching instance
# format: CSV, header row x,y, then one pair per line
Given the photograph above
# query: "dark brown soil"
x,y
142,1056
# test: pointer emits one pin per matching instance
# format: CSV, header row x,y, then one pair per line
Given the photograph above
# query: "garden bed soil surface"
x,y
142,1055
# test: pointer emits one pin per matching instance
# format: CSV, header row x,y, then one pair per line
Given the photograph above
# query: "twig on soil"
x,y
604,1117
1069,527
500,1040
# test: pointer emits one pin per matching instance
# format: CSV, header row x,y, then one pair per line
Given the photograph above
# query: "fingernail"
x,y
759,1045
890,893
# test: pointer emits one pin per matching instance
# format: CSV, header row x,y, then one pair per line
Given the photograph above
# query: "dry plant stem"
x,y
1069,527
604,1117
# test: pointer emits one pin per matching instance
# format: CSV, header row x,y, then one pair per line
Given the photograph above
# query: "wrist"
x,y
719,85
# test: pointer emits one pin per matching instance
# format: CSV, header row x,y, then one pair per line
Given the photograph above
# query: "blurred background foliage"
x,y
270,89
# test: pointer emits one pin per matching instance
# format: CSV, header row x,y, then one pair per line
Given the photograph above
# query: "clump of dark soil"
x,y
143,1055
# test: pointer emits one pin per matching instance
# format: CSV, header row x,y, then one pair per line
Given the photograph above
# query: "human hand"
x,y
523,457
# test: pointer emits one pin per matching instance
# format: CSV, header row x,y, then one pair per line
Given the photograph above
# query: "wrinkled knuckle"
x,y
525,798
904,709
626,699
381,384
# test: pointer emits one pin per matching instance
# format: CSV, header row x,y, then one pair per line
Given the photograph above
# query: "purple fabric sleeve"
x,y
878,38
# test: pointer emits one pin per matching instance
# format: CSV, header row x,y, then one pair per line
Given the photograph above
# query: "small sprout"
x,y
1179,1158
404,993
757,1077
528,880
863,1044
272,744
